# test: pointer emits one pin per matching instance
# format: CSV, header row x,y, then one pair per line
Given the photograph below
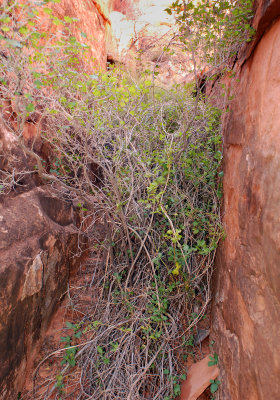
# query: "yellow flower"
x,y
176,270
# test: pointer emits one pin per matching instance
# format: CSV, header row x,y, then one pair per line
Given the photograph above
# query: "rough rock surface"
x,y
38,248
38,240
246,309
198,379
93,21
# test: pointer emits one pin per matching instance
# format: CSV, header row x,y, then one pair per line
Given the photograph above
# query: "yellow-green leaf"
x,y
68,19
176,270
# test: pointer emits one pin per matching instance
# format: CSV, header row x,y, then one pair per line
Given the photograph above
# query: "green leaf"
x,y
115,346
72,362
72,104
214,385
166,371
38,84
47,11
95,324
53,112
73,40
23,30
65,339
30,107
214,360
57,21
68,20
177,389
5,19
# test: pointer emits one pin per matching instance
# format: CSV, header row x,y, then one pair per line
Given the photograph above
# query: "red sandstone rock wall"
x,y
38,245
37,242
246,309
93,20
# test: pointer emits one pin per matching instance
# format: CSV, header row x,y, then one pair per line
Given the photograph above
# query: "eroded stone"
x,y
198,379
36,256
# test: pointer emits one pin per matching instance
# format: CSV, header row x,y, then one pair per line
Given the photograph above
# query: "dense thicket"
x,y
143,162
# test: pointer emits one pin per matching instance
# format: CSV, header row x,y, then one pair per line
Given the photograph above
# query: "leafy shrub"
x,y
156,186
214,30
146,163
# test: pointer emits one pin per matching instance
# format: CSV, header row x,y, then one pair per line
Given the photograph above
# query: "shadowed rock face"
x,y
37,242
246,309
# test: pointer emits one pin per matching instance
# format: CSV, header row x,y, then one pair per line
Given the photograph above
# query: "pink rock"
x,y
198,379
